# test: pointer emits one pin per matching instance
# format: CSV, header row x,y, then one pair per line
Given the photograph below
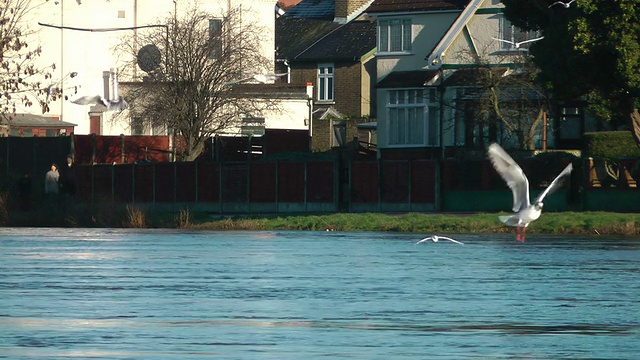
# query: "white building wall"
x,y
89,53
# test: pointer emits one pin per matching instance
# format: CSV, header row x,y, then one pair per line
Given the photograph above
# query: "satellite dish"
x,y
149,58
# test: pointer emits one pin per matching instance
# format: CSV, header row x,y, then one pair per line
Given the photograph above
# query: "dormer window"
x,y
394,35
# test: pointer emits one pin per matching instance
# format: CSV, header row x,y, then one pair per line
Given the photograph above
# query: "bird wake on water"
x,y
525,212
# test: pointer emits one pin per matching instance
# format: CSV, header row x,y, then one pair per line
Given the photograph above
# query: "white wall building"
x,y
69,32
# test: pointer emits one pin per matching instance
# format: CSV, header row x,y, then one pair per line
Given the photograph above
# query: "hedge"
x,y
610,145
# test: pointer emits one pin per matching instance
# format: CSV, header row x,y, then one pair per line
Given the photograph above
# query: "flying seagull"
x,y
566,5
515,178
99,100
518,44
436,238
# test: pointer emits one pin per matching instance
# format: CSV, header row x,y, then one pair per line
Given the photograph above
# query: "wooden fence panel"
x,y
320,181
186,181
234,182
423,182
84,183
123,183
291,184
102,183
165,182
144,186
395,181
364,182
263,181
208,182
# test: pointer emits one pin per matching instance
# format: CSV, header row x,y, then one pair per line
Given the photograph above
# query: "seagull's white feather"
x,y
564,4
436,238
512,174
555,184
90,100
530,40
517,44
120,104
525,212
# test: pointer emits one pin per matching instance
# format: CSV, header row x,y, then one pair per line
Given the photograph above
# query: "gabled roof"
x,y
349,42
417,78
294,35
384,6
313,9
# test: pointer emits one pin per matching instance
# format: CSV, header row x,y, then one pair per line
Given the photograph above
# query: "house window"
x,y
394,35
412,118
215,38
325,82
514,34
137,126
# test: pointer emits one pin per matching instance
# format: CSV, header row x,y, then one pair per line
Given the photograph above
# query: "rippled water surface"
x,y
158,294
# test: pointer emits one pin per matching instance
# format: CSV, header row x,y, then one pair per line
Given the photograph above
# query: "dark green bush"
x,y
610,145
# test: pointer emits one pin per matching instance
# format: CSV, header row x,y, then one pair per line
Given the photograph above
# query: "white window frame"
x,y
394,36
415,112
326,82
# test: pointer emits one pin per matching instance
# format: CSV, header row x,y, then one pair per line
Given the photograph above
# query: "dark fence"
x,y
264,186
260,182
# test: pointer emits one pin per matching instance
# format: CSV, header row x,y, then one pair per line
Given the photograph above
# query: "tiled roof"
x,y
313,9
31,120
383,6
471,77
346,43
294,35
417,78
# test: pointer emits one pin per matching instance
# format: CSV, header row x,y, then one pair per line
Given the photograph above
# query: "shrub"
x,y
183,220
136,218
610,145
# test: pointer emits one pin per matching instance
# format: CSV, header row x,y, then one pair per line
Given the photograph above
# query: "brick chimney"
x,y
345,10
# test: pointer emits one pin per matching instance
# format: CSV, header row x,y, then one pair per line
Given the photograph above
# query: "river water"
x,y
167,294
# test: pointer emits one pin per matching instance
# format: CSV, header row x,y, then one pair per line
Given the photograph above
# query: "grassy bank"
x,y
130,216
550,223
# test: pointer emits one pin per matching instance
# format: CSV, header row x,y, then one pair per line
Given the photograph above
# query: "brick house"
x,y
331,45
427,100
28,125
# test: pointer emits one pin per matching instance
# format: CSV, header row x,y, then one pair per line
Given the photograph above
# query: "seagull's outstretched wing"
x,y
90,100
530,40
555,184
505,41
512,174
425,239
450,239
111,105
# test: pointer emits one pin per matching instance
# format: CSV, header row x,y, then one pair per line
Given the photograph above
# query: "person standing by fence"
x,y
68,178
51,180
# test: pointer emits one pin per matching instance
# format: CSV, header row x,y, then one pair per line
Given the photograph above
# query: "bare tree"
x,y
192,91
22,82
506,96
